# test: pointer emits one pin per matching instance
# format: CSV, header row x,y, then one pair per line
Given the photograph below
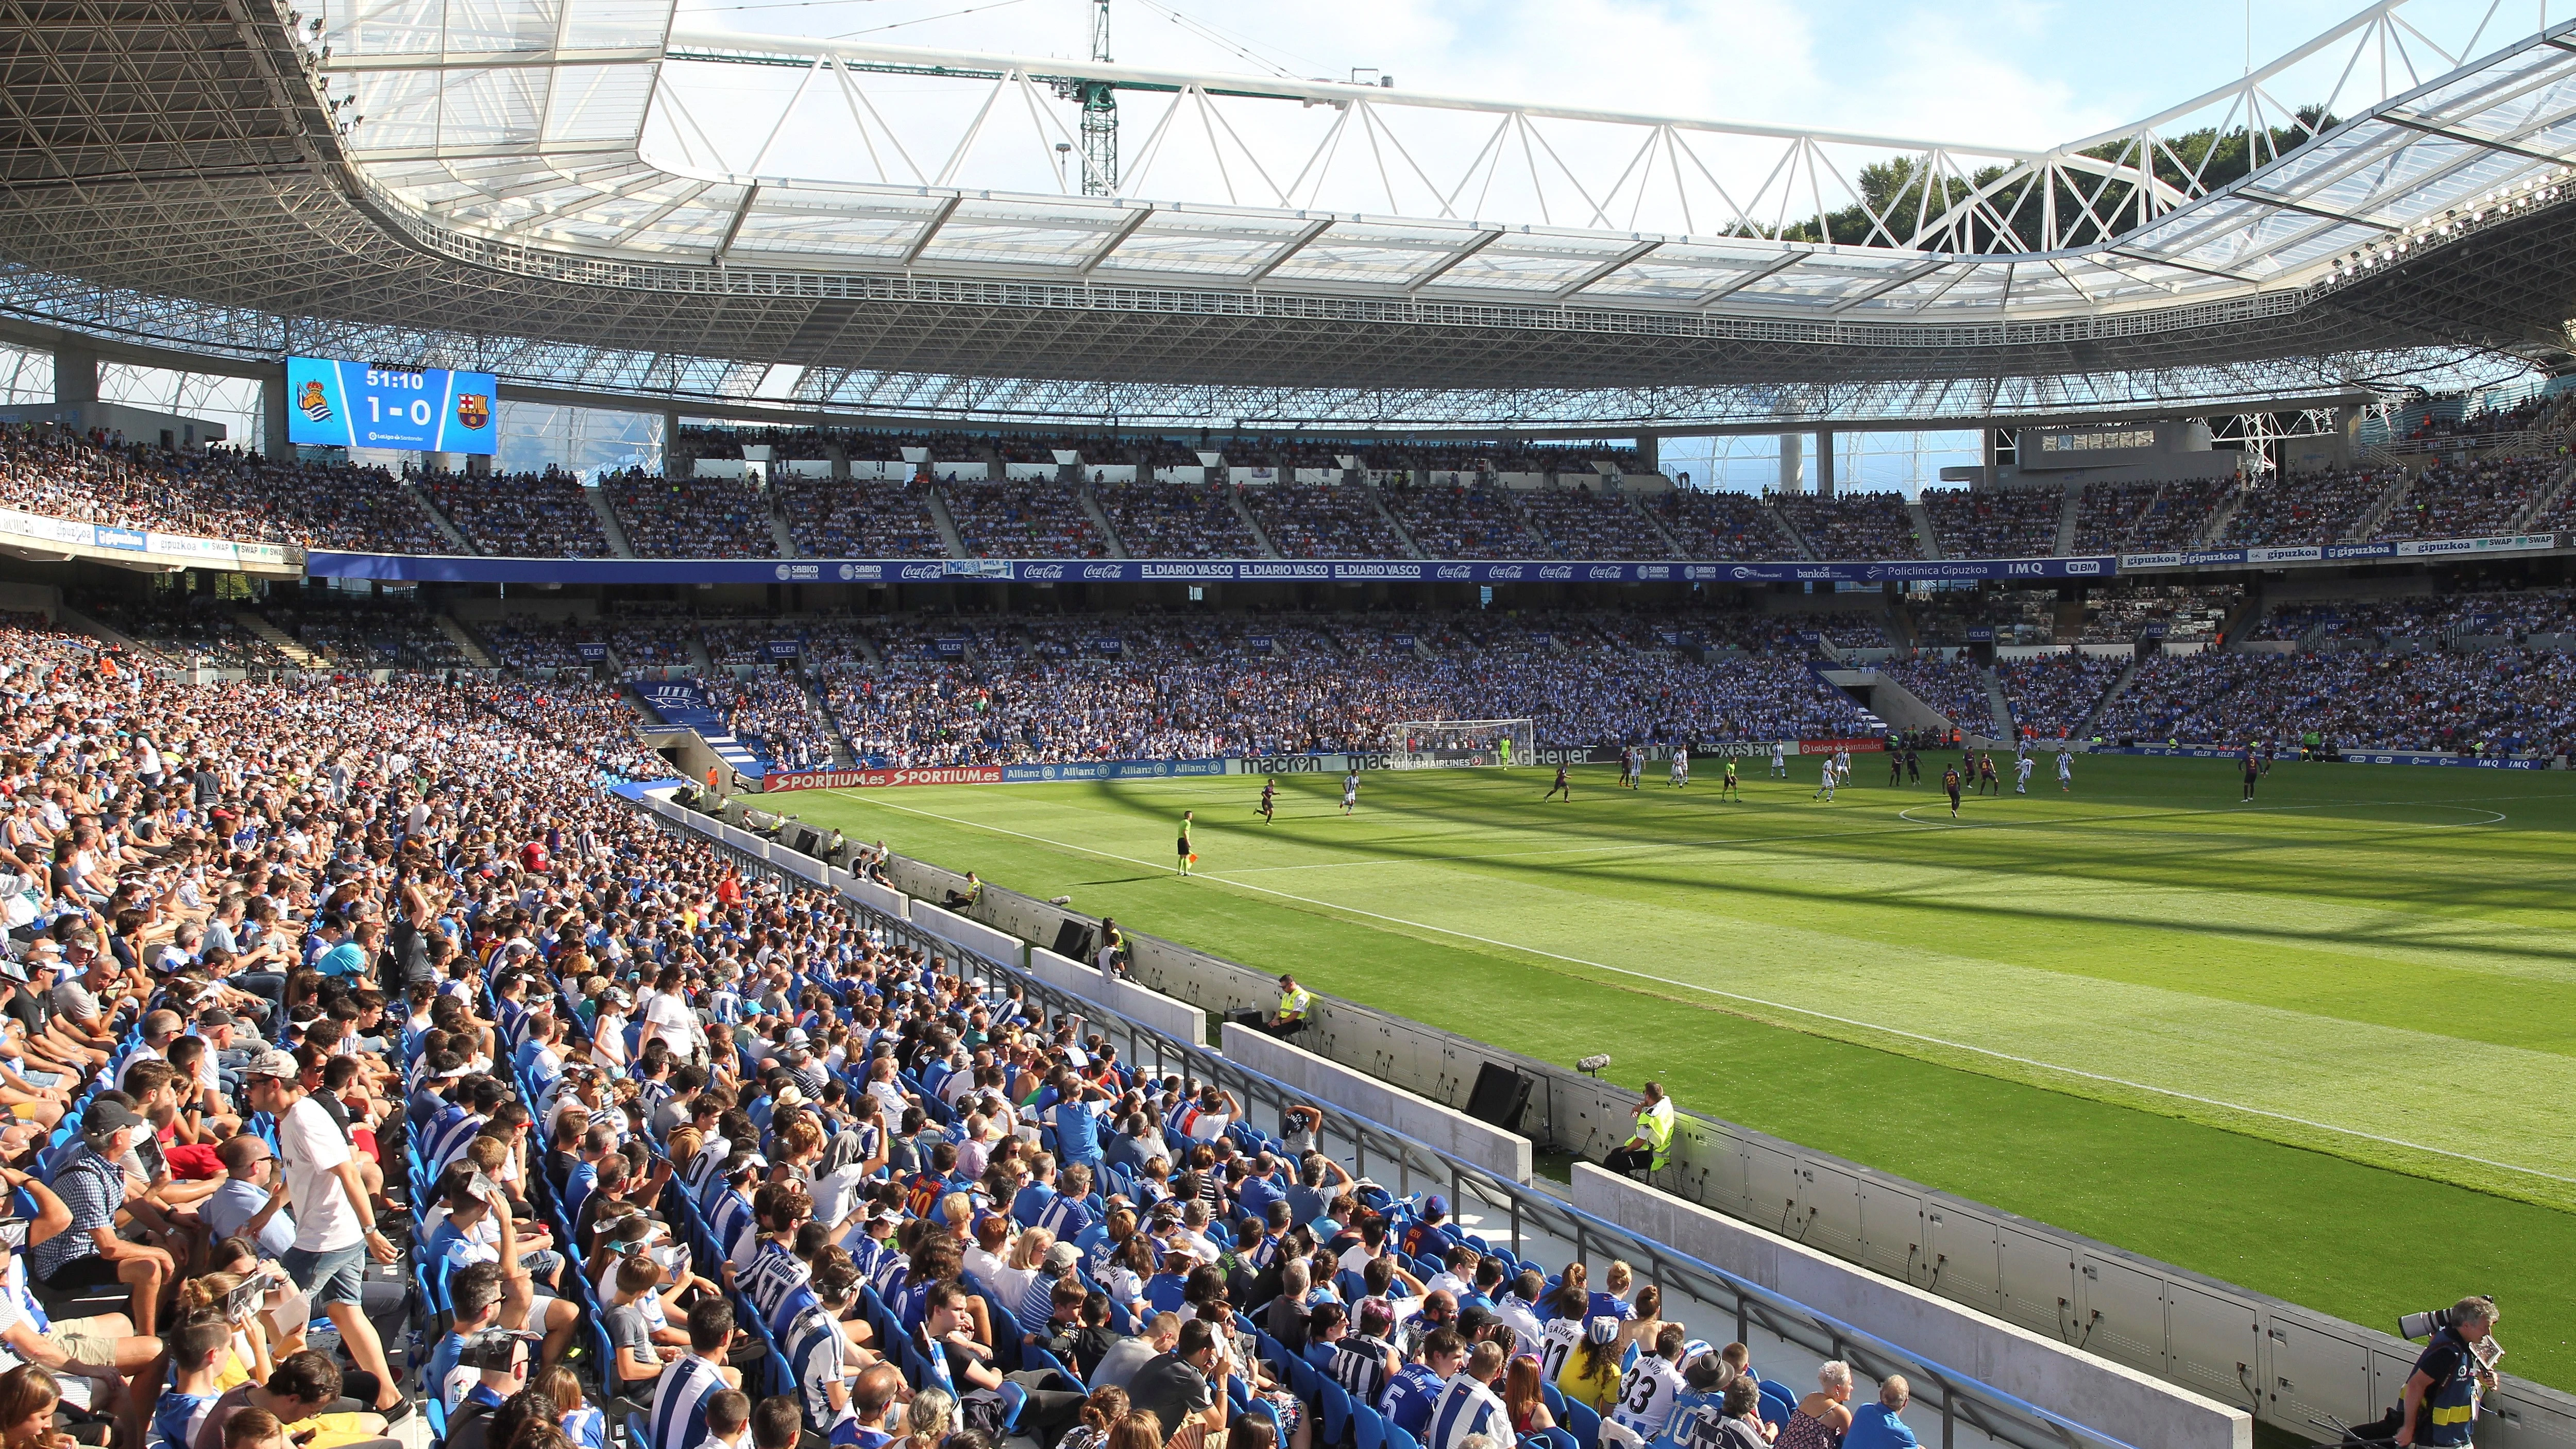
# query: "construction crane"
x,y
1099,114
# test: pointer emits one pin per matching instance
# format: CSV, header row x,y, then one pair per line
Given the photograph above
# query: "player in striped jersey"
x,y
781,1208
1468,1405
730,1219
679,1414
1652,1387
819,1352
1365,1361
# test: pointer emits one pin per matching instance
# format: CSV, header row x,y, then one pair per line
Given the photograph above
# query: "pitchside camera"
x,y
2423,1325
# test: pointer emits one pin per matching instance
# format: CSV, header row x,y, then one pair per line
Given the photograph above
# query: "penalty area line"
x,y
1854,1022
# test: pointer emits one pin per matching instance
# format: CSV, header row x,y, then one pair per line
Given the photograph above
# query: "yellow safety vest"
x,y
1656,1126
1294,1003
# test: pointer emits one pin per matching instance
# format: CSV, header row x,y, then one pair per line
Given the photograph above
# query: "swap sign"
x,y
366,405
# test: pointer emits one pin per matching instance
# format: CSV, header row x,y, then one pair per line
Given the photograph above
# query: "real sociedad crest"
x,y
315,403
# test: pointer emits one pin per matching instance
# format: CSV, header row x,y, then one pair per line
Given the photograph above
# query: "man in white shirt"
x,y
334,1231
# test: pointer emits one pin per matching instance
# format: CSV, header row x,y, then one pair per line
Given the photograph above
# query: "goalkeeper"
x,y
1506,750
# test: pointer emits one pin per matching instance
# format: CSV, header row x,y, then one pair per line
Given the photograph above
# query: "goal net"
x,y
1432,743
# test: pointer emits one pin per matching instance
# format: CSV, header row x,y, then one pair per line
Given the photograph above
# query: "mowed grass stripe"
x,y
1819,872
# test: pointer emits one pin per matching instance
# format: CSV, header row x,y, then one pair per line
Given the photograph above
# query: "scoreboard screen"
x,y
339,404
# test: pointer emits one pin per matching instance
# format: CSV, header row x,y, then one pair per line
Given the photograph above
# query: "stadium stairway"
x,y
1926,536
2214,528
73,619
2545,499
475,653
1394,525
278,639
447,528
2084,727
1099,517
779,537
2069,512
682,704
609,523
1788,530
1654,525
2000,707
1260,535
2387,504
950,535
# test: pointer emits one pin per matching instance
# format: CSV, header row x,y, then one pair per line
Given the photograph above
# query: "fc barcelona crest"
x,y
473,411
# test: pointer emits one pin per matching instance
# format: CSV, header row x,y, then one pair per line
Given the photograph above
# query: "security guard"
x,y
1290,1016
2441,1396
1653,1142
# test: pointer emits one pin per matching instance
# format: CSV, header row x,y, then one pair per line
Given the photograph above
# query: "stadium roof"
x,y
533,189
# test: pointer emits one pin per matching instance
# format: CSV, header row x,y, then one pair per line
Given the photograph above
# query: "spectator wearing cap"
x,y
335,1222
89,1254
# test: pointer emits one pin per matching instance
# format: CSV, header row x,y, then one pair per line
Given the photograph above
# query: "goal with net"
x,y
1431,743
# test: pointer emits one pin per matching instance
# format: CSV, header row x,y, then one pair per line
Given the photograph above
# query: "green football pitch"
x,y
2322,1045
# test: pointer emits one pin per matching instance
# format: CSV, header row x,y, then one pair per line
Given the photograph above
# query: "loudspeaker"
x,y
1073,940
1500,1097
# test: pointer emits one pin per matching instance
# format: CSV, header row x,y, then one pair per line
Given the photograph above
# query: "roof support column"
x,y
75,373
1793,473
273,403
1824,462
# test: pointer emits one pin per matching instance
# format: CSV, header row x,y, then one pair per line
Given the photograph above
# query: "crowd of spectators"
x,y
2468,498
2126,612
2310,508
1194,688
520,515
524,641
2147,517
1714,525
856,518
1462,521
211,492
692,517
184,628
2513,615
2051,695
784,444
1023,520
1175,520
1587,523
1955,687
1852,525
1996,522
2488,701
354,633
1331,520
775,714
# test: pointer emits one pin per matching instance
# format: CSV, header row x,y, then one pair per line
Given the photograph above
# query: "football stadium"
x,y
1103,724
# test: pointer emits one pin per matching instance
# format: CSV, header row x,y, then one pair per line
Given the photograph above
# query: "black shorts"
x,y
95,1271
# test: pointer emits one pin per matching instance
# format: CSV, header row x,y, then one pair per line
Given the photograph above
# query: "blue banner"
x,y
784,648
454,569
2350,757
593,652
1107,645
1260,643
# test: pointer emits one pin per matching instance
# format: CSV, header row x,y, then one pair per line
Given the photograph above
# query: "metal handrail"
x,y
1959,1397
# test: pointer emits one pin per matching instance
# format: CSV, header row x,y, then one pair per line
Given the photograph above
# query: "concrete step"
x,y
284,642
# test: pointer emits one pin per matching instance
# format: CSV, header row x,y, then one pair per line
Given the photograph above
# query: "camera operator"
x,y
2440,1407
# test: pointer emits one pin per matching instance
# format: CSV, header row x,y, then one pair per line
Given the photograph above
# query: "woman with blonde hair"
x,y
1821,1418
925,1421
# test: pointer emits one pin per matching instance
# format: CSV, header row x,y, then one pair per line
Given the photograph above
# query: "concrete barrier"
x,y
2093,1391
969,935
1147,1008
876,897
1505,1154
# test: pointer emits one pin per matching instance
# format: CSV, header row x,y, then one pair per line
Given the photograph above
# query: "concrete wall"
x,y
969,935
2090,1390
1505,1154
1150,1008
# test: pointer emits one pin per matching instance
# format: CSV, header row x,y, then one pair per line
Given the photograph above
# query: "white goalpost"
x,y
1435,743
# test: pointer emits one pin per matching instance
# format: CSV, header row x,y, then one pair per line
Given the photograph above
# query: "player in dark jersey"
x,y
1896,767
1913,766
1950,783
1986,776
1560,785
1270,799
2253,767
